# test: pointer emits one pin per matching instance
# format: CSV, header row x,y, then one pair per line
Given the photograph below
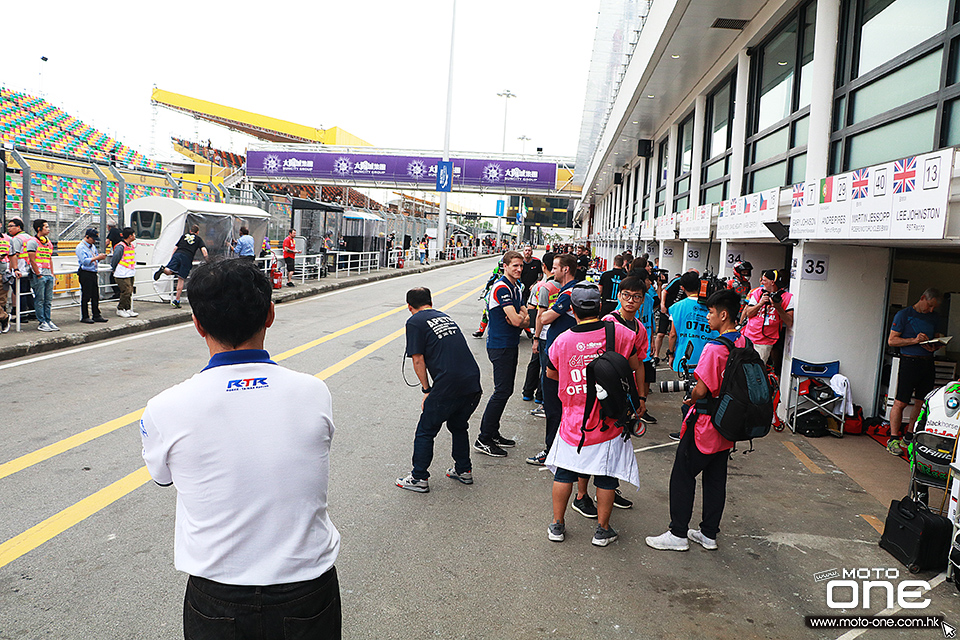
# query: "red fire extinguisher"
x,y
276,276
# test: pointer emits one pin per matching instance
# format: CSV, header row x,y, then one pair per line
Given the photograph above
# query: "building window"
x,y
681,199
663,164
780,102
715,171
897,71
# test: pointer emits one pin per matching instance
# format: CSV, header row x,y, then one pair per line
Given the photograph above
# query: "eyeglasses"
x,y
631,297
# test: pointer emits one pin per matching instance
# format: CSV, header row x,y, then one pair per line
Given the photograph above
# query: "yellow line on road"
x,y
57,524
45,453
76,513
363,353
30,459
802,457
337,334
873,521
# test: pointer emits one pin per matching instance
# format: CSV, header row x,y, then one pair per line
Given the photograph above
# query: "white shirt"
x,y
247,444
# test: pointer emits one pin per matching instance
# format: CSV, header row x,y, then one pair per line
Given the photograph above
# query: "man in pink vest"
x,y
767,308
703,451
605,455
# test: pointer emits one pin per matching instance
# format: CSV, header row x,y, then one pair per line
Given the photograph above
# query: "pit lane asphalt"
x,y
459,562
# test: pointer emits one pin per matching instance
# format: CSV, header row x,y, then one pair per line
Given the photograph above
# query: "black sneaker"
x,y
675,436
620,502
647,418
538,460
602,537
158,273
585,507
478,334
505,443
5,325
491,449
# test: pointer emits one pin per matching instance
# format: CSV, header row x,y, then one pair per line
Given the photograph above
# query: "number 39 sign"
x,y
814,267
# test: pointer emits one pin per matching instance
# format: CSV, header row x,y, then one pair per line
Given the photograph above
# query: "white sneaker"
x,y
123,313
52,326
131,313
44,327
707,543
668,542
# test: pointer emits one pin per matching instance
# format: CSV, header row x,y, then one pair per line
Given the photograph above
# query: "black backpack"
x,y
611,371
743,409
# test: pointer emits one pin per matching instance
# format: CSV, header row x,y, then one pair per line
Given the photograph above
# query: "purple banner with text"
x,y
418,171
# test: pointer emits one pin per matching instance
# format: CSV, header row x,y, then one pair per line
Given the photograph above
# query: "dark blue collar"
x,y
240,356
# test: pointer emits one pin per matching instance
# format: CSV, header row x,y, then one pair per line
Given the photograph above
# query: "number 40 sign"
x,y
814,267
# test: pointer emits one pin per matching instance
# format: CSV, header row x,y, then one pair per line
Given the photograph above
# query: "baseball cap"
x,y
585,297
91,233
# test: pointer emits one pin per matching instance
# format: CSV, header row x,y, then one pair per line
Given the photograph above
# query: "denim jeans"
x,y
552,408
310,609
504,375
42,296
455,411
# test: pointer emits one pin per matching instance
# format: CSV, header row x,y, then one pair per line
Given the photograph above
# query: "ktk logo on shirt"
x,y
247,384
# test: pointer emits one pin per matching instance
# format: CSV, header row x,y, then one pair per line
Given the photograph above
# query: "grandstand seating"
x,y
36,124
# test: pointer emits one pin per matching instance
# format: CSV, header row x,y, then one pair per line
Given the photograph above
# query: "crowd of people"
x,y
565,317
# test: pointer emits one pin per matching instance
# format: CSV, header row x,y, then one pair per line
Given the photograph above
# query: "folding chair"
x,y
800,404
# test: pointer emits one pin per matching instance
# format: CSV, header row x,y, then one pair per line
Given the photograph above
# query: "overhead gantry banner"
x,y
420,172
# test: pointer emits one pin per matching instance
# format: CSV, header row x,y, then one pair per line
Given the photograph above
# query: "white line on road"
x,y
150,334
656,446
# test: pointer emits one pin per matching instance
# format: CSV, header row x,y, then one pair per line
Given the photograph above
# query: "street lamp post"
x,y
523,141
442,222
506,95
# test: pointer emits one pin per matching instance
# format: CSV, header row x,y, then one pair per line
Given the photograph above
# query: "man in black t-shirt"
x,y
437,346
182,260
583,263
532,270
610,286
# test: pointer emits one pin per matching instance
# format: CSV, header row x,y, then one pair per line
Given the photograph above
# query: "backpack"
x,y
743,409
610,372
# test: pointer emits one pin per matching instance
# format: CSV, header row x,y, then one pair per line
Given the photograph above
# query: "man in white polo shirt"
x,y
250,461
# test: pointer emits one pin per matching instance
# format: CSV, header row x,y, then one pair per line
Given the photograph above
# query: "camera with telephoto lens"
x,y
687,382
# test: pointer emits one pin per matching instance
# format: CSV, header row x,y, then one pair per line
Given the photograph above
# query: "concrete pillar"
x,y
738,149
823,68
699,123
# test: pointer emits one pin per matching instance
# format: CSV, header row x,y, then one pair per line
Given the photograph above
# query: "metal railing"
x,y
306,267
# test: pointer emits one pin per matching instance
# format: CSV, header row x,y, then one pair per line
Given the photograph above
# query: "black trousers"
x,y
504,363
688,464
310,609
89,292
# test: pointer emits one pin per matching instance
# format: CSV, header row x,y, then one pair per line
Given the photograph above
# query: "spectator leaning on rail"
x,y
40,258
182,260
438,347
124,264
251,470
507,318
911,328
605,454
89,261
767,308
702,450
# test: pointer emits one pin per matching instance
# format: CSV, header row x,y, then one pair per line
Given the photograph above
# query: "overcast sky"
x,y
376,68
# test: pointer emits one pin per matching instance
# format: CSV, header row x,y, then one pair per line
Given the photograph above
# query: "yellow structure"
x,y
254,124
